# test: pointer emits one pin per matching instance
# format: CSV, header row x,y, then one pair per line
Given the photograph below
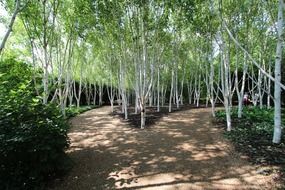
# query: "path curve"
x,y
182,151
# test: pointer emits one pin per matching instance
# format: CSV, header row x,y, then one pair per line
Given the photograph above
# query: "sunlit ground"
x,y
182,151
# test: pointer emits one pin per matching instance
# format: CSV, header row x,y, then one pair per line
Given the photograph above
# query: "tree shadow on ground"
x,y
152,115
182,151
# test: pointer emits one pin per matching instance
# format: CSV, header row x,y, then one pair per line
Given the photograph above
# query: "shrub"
x,y
14,74
250,115
73,110
252,135
33,136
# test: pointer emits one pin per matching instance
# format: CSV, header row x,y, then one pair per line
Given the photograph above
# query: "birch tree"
x,y
277,88
17,9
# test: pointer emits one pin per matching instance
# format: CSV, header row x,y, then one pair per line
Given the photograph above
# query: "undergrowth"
x,y
73,110
252,135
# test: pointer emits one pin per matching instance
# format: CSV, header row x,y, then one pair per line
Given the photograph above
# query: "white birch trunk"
x,y
100,93
158,90
277,89
79,91
212,99
10,27
198,91
171,91
176,88
269,88
240,100
225,83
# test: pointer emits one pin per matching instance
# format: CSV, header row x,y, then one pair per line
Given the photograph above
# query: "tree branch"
x,y
251,58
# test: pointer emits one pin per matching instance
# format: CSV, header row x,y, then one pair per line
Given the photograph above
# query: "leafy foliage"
x,y
14,75
252,135
73,110
250,115
33,136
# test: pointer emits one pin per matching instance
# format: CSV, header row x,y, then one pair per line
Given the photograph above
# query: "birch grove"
x,y
136,55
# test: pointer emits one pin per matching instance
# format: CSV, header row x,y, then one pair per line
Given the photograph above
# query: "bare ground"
x,y
183,150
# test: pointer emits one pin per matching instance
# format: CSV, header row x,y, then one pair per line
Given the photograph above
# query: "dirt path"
x,y
182,151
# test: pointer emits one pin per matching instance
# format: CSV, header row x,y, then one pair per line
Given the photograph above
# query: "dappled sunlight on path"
x,y
182,151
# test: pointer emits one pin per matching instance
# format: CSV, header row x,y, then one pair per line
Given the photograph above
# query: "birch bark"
x,y
277,88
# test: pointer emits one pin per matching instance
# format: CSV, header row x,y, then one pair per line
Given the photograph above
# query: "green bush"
x,y
33,136
254,122
14,74
252,134
250,114
73,110
258,115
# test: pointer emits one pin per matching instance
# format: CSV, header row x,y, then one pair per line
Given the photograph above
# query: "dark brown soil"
x,y
180,151
152,116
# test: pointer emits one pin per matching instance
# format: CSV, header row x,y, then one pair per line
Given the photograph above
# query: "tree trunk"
x,y
158,90
240,101
225,82
100,93
46,61
277,89
10,27
212,72
171,91
94,94
269,89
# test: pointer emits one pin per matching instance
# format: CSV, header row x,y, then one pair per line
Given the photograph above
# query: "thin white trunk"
x,y
176,88
212,99
269,89
182,87
198,91
100,93
207,83
158,90
171,91
10,27
143,114
190,91
143,81
79,92
70,94
77,95
225,83
227,94
111,94
240,101
136,87
163,93
195,89
94,94
259,83
46,61
277,89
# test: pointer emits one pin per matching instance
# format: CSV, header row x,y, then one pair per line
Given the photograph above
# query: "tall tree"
x,y
277,88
